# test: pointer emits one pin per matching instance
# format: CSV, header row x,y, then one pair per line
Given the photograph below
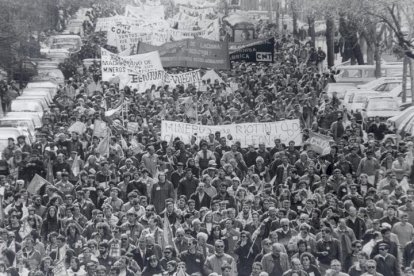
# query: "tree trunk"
x,y
412,78
277,19
330,40
312,34
377,57
370,53
293,7
404,79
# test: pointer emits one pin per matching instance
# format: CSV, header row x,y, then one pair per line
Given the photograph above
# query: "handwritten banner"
x,y
319,143
115,65
246,134
161,78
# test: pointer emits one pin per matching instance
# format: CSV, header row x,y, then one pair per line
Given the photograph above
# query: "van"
x,y
38,99
11,132
38,92
52,86
360,74
384,84
44,74
37,120
27,106
25,123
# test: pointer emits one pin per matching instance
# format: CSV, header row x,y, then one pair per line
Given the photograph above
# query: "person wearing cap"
x,y
22,145
387,264
177,175
204,156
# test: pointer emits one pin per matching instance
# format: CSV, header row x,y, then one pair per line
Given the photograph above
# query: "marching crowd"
x,y
209,207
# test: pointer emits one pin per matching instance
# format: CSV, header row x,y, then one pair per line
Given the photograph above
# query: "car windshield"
x,y
379,105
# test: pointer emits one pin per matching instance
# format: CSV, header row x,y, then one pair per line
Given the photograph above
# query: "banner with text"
x,y
253,51
246,134
195,53
160,78
319,143
115,65
145,11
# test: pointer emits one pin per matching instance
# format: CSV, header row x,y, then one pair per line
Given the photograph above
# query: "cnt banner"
x,y
261,50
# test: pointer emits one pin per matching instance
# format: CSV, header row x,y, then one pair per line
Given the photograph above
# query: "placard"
x,y
115,65
319,143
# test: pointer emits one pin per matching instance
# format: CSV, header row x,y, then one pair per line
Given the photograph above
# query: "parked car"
x,y
361,74
37,120
384,84
27,106
382,107
52,86
38,92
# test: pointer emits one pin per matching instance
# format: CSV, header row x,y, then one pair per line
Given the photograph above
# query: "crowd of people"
x,y
209,207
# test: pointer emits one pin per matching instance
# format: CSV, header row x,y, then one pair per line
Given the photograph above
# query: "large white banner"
x,y
160,78
145,11
104,24
131,40
114,65
246,134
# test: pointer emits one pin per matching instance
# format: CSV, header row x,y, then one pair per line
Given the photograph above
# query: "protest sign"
x,y
319,143
253,51
78,127
115,65
246,134
132,127
160,78
36,184
100,129
196,53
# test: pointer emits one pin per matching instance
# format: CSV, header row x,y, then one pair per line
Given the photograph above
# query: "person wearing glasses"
x,y
371,267
194,261
214,262
387,264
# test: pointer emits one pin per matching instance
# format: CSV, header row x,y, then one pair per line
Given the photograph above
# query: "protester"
x,y
125,202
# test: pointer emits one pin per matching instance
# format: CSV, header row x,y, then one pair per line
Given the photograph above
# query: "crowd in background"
x,y
284,210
